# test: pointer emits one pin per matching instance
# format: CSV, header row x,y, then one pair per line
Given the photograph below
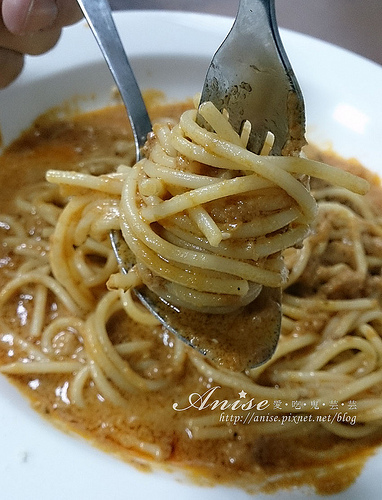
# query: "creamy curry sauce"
x,y
249,462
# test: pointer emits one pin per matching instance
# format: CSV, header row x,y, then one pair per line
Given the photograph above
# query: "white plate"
x,y
169,51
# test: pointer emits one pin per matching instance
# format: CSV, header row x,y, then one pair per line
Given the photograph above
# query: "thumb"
x,y
28,16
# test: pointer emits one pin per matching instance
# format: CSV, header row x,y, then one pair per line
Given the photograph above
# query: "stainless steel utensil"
x,y
251,77
99,17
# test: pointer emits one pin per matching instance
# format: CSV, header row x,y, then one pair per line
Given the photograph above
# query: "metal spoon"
x,y
99,17
251,77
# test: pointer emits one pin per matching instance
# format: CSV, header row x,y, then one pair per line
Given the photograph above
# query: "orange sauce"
x,y
308,456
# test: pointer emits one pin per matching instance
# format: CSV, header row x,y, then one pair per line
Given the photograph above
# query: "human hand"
x,y
30,27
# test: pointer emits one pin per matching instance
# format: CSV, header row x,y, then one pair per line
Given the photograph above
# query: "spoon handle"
x,y
99,17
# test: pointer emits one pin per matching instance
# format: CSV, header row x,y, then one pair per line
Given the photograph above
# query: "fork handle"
x,y
246,6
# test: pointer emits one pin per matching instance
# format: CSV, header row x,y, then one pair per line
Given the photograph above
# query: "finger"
x,y
30,16
69,12
11,64
26,16
33,43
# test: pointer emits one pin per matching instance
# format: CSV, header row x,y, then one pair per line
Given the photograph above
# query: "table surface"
x,y
351,24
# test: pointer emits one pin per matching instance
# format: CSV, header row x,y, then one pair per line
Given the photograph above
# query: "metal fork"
x,y
250,76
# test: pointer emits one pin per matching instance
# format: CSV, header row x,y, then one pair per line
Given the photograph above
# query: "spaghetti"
x,y
93,349
206,219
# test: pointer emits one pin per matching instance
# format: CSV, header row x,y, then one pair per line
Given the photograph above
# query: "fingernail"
x,y
40,15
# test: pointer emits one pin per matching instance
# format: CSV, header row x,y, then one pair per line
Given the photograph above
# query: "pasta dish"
x,y
206,222
77,341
